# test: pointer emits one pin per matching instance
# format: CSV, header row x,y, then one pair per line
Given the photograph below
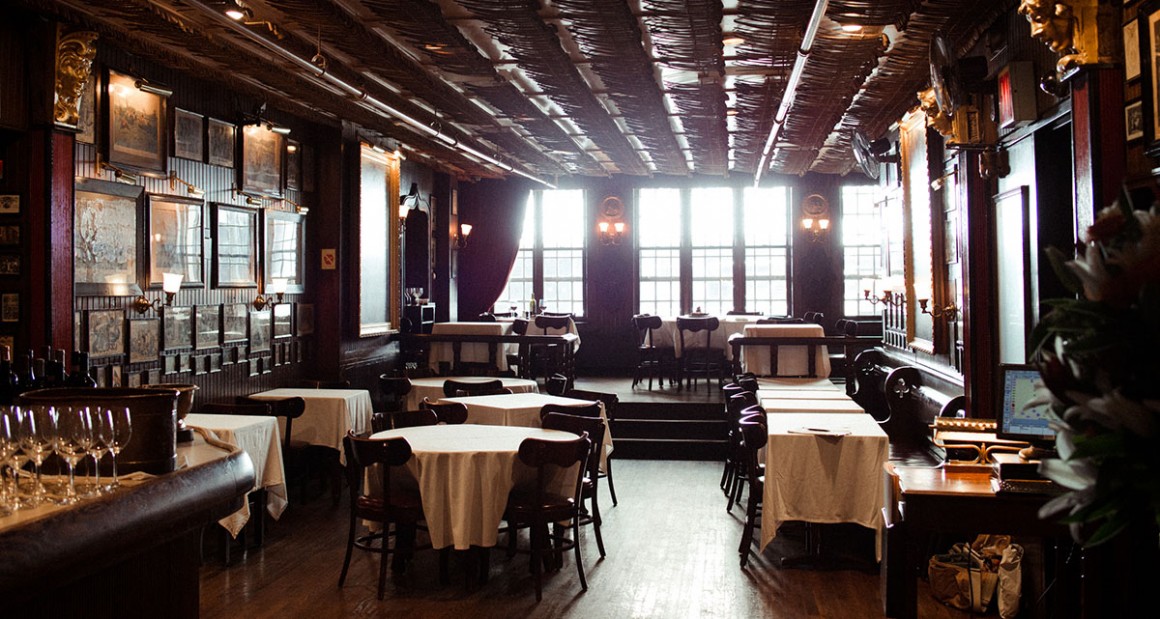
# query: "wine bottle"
x,y
9,383
80,371
28,373
56,373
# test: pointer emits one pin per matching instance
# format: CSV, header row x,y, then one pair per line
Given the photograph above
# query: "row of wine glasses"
x,y
33,433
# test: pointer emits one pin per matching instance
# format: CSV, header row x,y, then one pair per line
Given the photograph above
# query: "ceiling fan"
x,y
944,76
869,155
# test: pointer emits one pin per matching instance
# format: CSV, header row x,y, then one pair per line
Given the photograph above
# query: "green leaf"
x,y
1058,261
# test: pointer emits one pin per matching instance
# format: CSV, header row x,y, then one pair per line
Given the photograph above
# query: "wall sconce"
x,y
611,233
923,294
891,296
816,228
461,237
145,85
940,182
119,174
277,288
190,188
170,284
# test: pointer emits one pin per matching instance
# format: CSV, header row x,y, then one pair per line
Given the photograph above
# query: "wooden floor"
x,y
672,552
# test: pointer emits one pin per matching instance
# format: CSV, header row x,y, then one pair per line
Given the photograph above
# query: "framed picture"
x,y
176,327
106,333
138,127
209,326
9,264
1134,120
235,258
1149,15
87,123
188,135
260,331
235,323
10,307
283,317
176,228
305,319
106,241
261,161
144,340
293,165
222,143
1131,50
10,204
284,239
10,235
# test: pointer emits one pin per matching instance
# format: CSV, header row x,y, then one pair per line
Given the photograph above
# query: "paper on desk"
x,y
819,431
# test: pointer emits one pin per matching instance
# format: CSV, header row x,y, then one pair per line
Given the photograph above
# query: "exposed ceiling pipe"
x,y
795,77
360,95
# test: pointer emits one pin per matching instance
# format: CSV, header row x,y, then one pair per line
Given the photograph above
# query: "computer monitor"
x,y
1017,385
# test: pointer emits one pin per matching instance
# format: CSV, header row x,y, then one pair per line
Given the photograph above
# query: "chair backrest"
x,y
454,388
754,436
591,410
779,320
644,325
486,317
363,452
287,408
813,317
609,400
592,426
740,313
411,419
311,383
395,388
235,408
546,322
541,454
740,401
520,326
729,390
694,325
450,413
557,384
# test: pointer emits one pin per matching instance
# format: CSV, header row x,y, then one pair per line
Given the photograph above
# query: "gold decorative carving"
x,y
935,117
74,62
1083,32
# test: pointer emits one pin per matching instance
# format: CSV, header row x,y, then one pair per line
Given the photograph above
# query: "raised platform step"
x,y
676,429
669,449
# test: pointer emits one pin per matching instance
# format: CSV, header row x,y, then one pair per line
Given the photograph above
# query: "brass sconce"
x,y
815,217
277,288
948,311
461,237
611,233
170,284
190,188
119,174
816,228
891,295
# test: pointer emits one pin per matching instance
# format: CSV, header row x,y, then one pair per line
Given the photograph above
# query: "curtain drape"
x,y
495,209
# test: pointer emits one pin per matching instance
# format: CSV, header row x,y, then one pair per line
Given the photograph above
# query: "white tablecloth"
x,y
667,335
791,360
432,388
778,405
465,473
259,438
812,384
470,352
569,330
801,394
329,415
819,478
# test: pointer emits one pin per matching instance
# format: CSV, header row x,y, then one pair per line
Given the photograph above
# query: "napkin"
x,y
819,431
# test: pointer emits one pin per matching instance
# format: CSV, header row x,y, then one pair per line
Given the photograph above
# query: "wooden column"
x,y
1097,110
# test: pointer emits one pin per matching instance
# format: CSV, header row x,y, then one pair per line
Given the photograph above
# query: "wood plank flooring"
x,y
672,552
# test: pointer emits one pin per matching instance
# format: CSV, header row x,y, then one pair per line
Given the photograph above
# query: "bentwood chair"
x,y
449,413
754,436
609,400
454,388
591,410
732,440
698,356
389,506
412,419
552,358
594,427
651,359
537,506
299,458
737,406
395,390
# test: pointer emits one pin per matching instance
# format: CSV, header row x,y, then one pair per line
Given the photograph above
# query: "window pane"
x,y
765,216
861,245
659,218
563,218
712,217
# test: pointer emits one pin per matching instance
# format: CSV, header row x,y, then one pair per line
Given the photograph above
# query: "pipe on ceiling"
x,y
795,78
361,96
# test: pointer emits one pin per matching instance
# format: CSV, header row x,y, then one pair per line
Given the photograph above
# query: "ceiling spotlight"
x,y
732,40
237,12
851,27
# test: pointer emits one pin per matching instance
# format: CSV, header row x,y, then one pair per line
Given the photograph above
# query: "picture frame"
x,y
9,264
10,307
10,204
176,233
208,323
1149,30
144,340
260,331
176,327
138,128
1134,121
305,319
1131,50
283,320
188,135
235,323
293,165
235,258
10,235
106,333
284,240
262,155
106,238
221,143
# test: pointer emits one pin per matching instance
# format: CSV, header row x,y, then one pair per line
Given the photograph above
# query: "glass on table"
x,y
74,438
17,458
102,419
9,445
121,433
37,441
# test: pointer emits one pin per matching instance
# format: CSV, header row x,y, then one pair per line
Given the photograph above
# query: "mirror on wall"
x,y
917,222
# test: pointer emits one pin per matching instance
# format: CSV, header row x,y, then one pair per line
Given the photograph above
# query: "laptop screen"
x,y
1017,384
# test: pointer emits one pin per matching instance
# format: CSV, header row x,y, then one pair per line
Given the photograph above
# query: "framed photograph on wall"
x,y
222,143
138,128
10,204
261,161
235,323
260,331
235,257
1131,50
1149,20
10,307
283,317
144,340
177,327
1134,120
188,135
176,229
9,264
10,235
106,238
208,323
283,245
106,332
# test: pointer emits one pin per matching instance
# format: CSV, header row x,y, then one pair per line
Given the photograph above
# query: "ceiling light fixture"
x,y
732,40
851,28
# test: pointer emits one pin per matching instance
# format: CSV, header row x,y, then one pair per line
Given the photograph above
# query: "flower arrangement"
x,y
1100,362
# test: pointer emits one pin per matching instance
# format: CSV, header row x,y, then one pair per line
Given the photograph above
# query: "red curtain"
x,y
495,210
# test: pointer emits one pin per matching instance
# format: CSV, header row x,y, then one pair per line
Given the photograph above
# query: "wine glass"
x,y
102,419
74,438
37,441
9,444
122,432
17,458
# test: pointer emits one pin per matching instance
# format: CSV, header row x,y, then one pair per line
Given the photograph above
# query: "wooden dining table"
x,y
432,387
470,352
329,414
791,360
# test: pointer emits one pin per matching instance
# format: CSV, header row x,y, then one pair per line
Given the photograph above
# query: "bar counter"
x,y
131,553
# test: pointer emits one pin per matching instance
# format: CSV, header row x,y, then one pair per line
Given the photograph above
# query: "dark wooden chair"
x,y
594,427
698,357
651,360
610,401
813,317
733,441
591,410
754,436
454,388
518,362
735,407
391,505
394,390
450,413
536,507
412,419
486,317
557,384
549,359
